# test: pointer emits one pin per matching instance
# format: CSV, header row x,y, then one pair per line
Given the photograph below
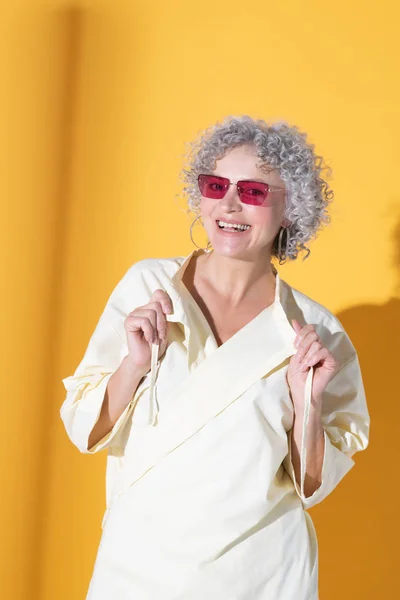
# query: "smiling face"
x,y
264,222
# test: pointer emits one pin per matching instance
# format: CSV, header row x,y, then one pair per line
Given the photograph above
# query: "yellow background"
x,y
97,99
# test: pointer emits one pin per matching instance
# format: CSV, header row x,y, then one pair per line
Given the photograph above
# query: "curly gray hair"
x,y
281,147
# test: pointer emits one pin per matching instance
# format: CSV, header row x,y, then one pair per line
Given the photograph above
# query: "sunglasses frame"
x,y
237,184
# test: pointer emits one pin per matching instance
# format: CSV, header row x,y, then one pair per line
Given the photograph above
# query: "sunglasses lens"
x,y
253,192
211,186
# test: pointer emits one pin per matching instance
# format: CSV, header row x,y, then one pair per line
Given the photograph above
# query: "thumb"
x,y
296,325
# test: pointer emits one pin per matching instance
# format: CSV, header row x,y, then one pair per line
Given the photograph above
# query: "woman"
x,y
229,401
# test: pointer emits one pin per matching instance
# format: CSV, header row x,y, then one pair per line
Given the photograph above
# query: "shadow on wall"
x,y
362,529
68,27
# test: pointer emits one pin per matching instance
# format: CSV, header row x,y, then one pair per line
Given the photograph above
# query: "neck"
x,y
237,279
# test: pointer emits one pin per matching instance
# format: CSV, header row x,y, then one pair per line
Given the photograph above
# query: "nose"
x,y
231,201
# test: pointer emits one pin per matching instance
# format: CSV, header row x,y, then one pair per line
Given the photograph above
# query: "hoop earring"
x,y
285,256
208,247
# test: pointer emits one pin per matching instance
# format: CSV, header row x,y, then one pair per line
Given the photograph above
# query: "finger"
x,y
314,358
151,315
142,323
165,301
302,333
306,343
296,326
161,321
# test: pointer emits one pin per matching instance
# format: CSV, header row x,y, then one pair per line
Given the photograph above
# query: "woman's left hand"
x,y
310,353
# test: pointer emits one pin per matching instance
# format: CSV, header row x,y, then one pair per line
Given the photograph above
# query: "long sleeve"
x,y
86,387
346,428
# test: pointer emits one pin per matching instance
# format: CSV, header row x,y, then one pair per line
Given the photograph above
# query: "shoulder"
x,y
162,268
312,308
136,287
142,278
306,310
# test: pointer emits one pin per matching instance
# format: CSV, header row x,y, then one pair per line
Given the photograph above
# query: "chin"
x,y
229,251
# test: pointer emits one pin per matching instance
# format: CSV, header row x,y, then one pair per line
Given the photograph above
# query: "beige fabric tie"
x,y
307,406
154,408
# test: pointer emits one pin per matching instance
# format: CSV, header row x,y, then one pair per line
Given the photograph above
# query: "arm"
x,y
345,423
120,390
93,408
315,448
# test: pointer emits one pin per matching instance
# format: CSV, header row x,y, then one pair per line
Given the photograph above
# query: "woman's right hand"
x,y
146,325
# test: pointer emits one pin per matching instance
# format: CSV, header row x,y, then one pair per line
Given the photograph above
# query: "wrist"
x,y
315,414
136,371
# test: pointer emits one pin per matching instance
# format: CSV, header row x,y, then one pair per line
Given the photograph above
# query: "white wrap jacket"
x,y
202,500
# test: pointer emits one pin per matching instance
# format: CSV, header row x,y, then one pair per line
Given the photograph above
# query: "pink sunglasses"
x,y
250,192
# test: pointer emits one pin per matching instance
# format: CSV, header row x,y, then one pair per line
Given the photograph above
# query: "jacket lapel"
x,y
255,351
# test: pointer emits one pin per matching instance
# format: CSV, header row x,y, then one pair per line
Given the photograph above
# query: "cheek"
x,y
207,205
266,219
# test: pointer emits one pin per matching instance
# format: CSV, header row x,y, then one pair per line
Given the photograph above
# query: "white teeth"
x,y
238,226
